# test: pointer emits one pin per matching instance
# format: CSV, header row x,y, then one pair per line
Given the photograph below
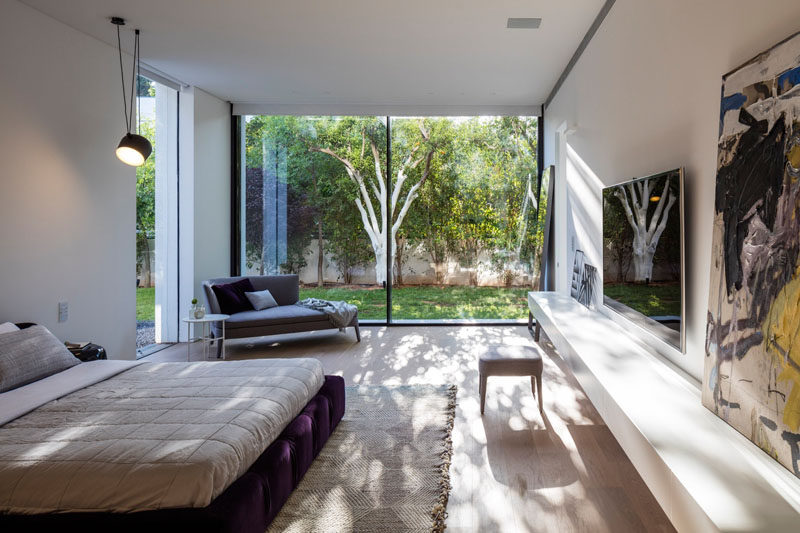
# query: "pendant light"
x,y
133,149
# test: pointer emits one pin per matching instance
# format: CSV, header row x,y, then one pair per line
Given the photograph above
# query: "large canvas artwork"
x,y
752,366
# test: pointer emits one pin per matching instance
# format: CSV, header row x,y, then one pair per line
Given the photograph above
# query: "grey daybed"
x,y
285,318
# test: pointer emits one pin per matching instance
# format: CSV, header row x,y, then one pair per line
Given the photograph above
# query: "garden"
x,y
408,303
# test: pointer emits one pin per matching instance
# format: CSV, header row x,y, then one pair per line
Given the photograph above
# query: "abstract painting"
x,y
752,363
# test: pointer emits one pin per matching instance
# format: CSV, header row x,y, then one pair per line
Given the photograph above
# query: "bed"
x,y
209,446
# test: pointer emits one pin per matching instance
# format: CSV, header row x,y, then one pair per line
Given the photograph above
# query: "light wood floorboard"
x,y
513,469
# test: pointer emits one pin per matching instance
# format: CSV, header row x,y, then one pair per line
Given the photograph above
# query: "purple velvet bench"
x,y
248,505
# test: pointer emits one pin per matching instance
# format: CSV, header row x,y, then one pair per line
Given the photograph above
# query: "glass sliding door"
x,y
314,200
156,218
451,224
467,241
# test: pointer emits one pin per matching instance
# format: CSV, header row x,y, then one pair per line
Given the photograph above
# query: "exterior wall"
x,y
418,270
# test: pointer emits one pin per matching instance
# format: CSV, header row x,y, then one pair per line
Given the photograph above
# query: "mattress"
x,y
140,437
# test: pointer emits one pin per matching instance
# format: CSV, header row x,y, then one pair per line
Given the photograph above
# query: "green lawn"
x,y
650,300
145,304
429,302
408,302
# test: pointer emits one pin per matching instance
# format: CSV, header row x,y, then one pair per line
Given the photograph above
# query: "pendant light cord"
x,y
138,97
122,77
134,85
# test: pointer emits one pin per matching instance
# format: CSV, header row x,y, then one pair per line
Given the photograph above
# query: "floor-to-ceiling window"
x,y
156,218
314,191
465,222
445,212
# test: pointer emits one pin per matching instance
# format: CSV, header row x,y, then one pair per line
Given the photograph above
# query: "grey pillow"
x,y
31,354
261,300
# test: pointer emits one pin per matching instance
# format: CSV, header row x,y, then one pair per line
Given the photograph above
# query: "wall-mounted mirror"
x,y
643,254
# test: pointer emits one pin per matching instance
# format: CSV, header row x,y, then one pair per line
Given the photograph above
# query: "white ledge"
x,y
704,474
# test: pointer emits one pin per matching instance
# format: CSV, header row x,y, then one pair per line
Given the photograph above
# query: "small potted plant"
x,y
197,311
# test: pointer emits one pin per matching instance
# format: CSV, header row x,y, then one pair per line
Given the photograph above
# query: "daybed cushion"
x,y
156,436
283,314
261,299
8,327
30,354
231,296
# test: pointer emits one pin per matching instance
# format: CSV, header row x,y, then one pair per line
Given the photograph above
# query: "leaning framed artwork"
x,y
752,364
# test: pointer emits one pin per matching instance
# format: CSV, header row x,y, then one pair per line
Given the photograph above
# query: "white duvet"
x,y
125,436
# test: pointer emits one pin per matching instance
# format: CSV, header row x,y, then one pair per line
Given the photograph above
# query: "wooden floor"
x,y
513,469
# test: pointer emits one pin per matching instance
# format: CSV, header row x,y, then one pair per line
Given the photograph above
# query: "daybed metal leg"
x,y
219,348
358,333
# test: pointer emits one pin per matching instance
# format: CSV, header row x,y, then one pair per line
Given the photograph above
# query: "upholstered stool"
x,y
511,361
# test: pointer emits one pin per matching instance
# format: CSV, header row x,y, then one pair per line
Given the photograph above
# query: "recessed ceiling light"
x,y
523,23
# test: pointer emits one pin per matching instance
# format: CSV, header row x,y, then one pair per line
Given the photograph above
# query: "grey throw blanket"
x,y
340,314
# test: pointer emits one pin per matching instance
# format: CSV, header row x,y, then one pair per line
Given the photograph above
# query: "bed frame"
x,y
248,505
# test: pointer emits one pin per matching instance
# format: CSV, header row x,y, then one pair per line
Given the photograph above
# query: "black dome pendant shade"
x,y
133,149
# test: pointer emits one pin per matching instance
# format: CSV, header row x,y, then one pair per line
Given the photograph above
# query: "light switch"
x,y
63,311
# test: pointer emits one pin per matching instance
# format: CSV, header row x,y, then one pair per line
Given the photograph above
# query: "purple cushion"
x,y
231,296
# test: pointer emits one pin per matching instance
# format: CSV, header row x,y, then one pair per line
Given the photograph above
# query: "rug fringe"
x,y
439,513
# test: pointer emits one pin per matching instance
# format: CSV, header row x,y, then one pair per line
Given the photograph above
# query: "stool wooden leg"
x,y
539,387
482,390
536,332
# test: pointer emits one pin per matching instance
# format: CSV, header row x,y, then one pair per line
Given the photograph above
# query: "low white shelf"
x,y
705,475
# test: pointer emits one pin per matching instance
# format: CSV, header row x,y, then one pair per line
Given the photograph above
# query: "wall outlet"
x,y
63,311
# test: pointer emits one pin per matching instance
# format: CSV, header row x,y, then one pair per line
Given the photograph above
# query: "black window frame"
x,y
236,226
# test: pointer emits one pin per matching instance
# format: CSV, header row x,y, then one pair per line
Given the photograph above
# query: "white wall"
x,y
644,98
205,201
67,205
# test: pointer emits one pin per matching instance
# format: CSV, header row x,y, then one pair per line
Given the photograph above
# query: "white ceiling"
x,y
347,52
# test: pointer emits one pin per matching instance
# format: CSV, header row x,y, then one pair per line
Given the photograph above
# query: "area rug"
x,y
385,468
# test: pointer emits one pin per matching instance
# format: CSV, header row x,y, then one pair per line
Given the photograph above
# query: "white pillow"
x,y
261,300
8,327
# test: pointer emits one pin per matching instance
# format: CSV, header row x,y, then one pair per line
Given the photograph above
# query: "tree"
x,y
617,236
146,207
380,216
636,201
346,241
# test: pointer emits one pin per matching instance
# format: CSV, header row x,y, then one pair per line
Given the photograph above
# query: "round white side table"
x,y
205,336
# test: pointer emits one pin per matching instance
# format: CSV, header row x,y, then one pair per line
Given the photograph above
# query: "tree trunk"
x,y
439,273
380,264
399,259
146,277
643,266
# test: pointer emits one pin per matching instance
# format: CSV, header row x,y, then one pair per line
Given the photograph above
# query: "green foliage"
x,y
474,199
146,195
145,87
617,237
145,304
